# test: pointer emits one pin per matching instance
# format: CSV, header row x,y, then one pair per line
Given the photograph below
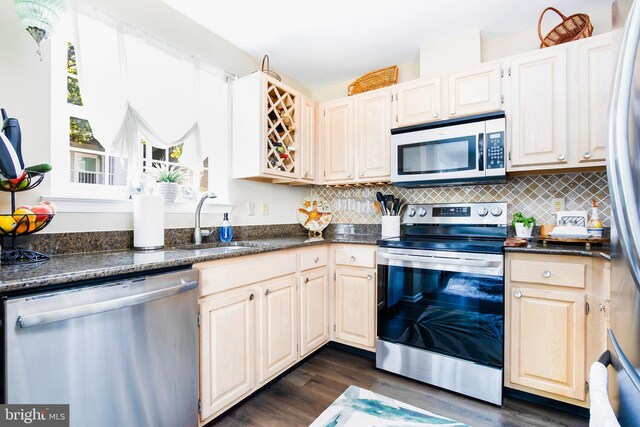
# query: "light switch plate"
x,y
265,208
251,208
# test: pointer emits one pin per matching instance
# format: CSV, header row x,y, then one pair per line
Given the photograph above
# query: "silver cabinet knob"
x,y
362,173
546,274
561,157
251,297
306,280
348,175
353,259
316,260
306,174
517,294
266,292
587,155
453,113
369,277
436,115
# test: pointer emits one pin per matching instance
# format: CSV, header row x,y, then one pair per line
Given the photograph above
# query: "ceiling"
x,y
328,41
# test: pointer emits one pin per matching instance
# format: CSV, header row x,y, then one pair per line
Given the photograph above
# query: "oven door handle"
x,y
442,260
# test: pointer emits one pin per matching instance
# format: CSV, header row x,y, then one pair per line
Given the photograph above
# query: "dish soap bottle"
x,y
226,231
594,226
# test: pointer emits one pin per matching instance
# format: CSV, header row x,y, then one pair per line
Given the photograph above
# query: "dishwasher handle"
x,y
37,319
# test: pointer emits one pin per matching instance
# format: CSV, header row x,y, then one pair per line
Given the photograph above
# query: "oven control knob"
x,y
496,211
483,211
422,212
411,212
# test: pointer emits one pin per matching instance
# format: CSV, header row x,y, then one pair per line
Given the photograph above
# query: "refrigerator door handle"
x,y
36,319
621,174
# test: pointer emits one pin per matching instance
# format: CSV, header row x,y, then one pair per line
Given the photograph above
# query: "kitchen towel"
x,y
602,414
148,221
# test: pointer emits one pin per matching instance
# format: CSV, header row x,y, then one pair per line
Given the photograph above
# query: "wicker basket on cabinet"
x,y
574,27
374,80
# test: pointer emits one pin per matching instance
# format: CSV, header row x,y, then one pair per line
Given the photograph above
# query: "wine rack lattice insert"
x,y
281,128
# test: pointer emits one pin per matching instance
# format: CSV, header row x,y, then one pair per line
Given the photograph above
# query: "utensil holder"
x,y
390,226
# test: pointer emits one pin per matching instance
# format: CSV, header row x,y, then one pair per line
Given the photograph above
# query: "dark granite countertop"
x,y
64,269
579,249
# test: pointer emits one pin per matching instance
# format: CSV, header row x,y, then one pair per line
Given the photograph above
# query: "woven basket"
x,y
574,27
374,80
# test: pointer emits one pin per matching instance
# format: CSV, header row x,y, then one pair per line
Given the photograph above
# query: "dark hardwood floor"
x,y
300,396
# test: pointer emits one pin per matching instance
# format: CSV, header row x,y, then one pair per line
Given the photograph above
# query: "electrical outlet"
x,y
557,205
251,208
265,208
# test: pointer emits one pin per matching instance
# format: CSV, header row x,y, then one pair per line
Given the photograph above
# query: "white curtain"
x,y
132,90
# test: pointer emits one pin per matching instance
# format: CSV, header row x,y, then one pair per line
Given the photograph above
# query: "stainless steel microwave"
x,y
464,150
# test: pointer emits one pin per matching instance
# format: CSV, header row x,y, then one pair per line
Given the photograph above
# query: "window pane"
x,y
204,180
87,168
118,171
73,92
175,153
158,153
71,59
81,135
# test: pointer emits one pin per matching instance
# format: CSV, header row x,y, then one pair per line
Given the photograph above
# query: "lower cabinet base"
x,y
549,403
468,378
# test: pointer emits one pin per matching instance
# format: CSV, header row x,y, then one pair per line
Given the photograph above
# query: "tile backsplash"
x,y
528,194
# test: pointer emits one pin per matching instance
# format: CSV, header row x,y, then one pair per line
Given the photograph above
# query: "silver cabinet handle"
x,y
561,157
362,173
316,260
436,115
546,274
266,292
348,175
251,297
36,319
306,280
453,113
306,174
517,294
353,259
369,277
587,155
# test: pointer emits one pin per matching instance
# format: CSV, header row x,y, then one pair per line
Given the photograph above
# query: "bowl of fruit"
x,y
31,177
27,219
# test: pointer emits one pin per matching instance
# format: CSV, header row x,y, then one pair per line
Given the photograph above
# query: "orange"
x,y
25,219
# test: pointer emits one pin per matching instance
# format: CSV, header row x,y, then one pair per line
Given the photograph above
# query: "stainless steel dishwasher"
x,y
123,353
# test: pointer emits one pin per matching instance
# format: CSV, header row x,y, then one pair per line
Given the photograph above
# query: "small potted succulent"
x,y
168,180
523,225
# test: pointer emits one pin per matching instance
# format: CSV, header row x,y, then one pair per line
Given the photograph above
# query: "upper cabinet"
x,y
475,91
373,136
338,140
272,130
308,152
537,108
419,101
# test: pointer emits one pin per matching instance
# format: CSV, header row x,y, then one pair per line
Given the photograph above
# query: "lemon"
x,y
7,223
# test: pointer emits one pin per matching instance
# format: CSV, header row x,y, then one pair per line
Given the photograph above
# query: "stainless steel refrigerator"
x,y
623,169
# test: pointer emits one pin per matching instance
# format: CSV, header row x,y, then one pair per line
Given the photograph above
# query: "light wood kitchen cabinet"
x,y
314,309
308,143
554,329
355,307
338,141
277,326
475,91
419,101
537,109
595,79
227,354
373,134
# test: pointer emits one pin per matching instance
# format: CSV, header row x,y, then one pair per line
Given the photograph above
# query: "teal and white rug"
x,y
357,407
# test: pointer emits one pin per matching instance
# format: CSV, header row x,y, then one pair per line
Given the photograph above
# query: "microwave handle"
x,y
481,151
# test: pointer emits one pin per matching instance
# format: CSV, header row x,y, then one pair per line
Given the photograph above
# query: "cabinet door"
x,y
538,109
314,310
227,356
277,326
475,91
595,78
355,307
307,139
338,140
373,129
548,341
419,101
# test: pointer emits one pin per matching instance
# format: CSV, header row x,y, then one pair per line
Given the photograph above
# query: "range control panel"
x,y
494,213
495,150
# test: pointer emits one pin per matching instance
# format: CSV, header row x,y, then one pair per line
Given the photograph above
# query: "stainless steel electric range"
x,y
441,298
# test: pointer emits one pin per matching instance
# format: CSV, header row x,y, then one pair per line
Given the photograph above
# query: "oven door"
x,y
439,156
444,302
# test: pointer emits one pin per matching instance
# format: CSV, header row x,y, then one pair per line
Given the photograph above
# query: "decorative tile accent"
x,y
528,194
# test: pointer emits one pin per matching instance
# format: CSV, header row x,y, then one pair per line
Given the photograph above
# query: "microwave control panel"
x,y
495,150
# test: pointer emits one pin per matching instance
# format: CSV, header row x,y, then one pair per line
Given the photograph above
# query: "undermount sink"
x,y
216,248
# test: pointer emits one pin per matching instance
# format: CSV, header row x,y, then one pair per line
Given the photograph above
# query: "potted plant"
x,y
168,180
523,225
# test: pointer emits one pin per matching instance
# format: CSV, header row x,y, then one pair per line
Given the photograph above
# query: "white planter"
x,y
168,190
522,231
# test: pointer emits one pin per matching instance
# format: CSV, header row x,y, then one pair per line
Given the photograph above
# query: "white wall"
x,y
444,55
26,92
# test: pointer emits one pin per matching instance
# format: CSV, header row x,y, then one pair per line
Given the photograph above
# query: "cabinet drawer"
x,y
356,257
313,258
220,276
557,273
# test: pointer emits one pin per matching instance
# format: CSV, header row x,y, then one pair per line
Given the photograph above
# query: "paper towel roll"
x,y
148,222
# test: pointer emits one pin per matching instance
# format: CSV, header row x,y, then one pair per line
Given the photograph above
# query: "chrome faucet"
x,y
197,233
